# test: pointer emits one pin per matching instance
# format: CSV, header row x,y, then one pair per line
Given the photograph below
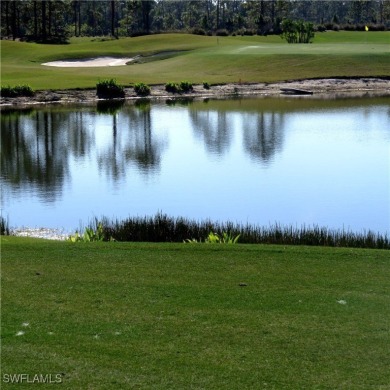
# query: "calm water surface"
x,y
263,161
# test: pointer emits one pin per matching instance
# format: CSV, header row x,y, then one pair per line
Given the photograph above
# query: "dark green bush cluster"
x,y
172,87
142,89
162,228
198,31
297,31
183,86
18,90
206,85
222,33
109,89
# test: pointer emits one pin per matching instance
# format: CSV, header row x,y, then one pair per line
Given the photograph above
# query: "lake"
x,y
287,160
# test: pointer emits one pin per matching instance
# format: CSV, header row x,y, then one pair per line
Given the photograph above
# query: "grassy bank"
x,y
199,59
177,316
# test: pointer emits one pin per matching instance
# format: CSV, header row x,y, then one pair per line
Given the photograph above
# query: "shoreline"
x,y
320,88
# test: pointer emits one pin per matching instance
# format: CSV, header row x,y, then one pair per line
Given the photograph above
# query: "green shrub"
x,y
225,238
297,31
90,234
142,89
172,87
109,89
18,90
198,31
206,85
222,33
185,86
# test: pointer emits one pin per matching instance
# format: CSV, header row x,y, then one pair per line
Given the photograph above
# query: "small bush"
x,y
225,238
321,28
90,234
109,89
185,86
142,89
172,87
206,85
18,90
245,31
297,31
222,33
198,31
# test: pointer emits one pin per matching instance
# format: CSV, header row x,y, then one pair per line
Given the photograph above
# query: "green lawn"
x,y
174,316
211,59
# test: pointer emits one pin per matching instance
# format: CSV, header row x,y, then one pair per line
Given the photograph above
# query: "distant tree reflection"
x,y
262,131
263,135
34,151
132,143
213,127
38,146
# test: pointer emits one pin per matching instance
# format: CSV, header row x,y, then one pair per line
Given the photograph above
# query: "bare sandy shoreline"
x,y
330,87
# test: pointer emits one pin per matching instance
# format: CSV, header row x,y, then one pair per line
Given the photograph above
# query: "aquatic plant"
x,y
185,86
225,238
215,238
109,89
172,87
162,228
18,90
90,234
142,89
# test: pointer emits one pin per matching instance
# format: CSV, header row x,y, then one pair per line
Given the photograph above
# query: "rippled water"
x,y
286,160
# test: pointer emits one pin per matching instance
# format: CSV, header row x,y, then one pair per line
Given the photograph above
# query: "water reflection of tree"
x,y
262,132
263,135
214,128
35,152
132,142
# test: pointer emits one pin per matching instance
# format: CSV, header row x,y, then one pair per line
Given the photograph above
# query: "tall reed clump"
x,y
162,228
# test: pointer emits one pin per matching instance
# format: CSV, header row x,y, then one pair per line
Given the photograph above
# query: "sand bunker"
x,y
90,62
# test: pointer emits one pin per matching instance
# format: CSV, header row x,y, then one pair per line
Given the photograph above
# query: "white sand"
x,y
90,62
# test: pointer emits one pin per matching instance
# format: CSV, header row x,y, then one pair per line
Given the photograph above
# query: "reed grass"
x,y
163,228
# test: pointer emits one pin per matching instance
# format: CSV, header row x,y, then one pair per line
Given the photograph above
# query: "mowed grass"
x,y
181,316
199,58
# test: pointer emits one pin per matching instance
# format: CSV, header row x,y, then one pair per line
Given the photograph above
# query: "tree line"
x,y
57,20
